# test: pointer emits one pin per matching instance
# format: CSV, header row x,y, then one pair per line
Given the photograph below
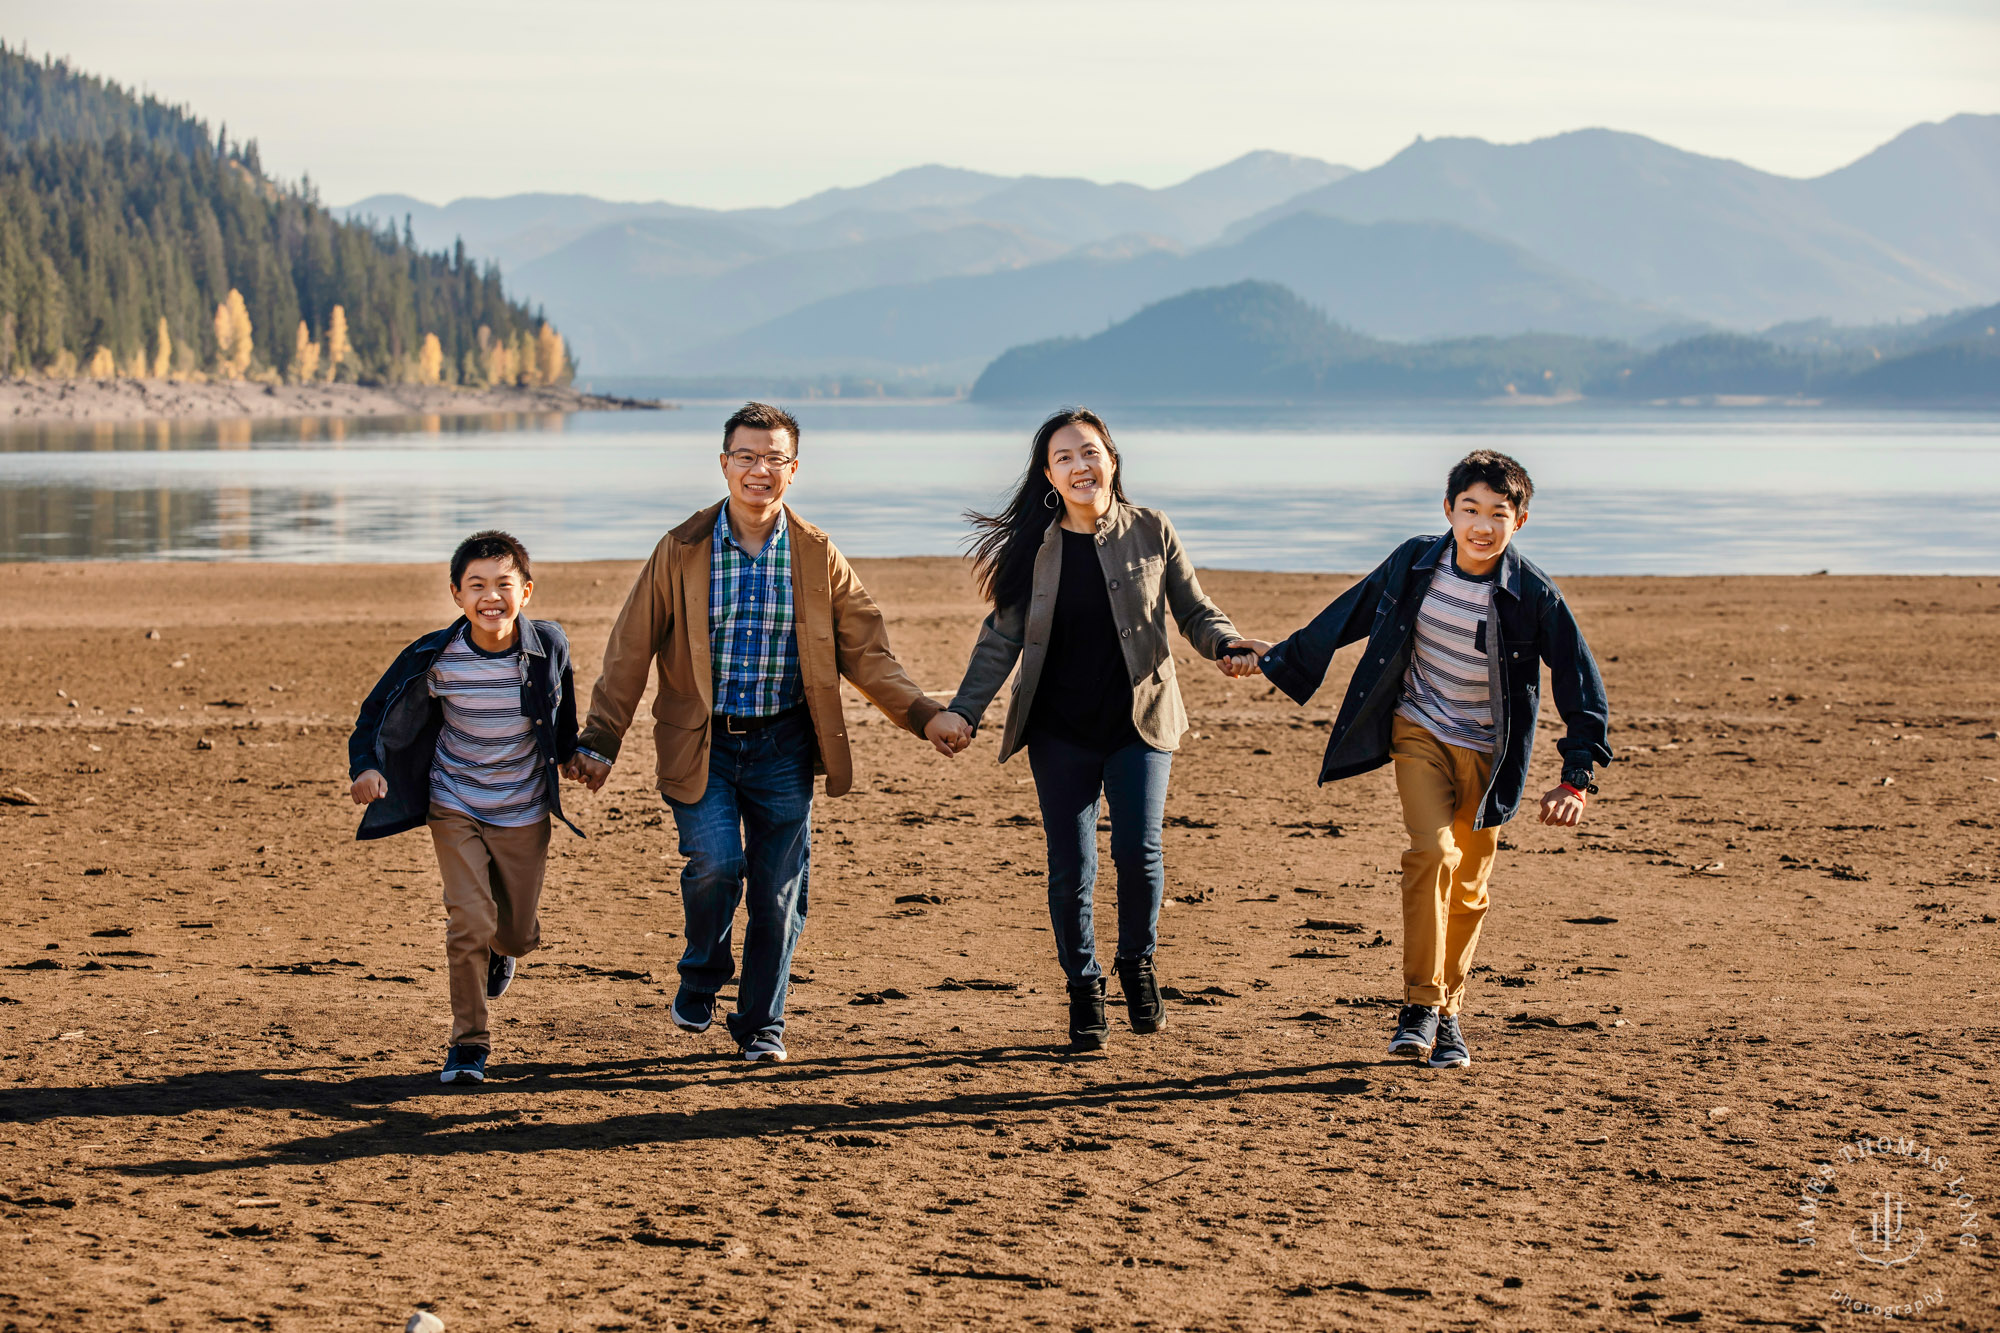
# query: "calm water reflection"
x,y
1273,489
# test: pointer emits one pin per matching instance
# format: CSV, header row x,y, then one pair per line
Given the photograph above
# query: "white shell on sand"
x,y
423,1321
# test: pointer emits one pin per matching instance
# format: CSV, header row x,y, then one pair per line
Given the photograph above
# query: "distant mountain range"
x,y
929,274
1257,342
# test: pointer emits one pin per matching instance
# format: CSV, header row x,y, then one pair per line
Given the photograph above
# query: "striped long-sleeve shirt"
x,y
1446,690
487,764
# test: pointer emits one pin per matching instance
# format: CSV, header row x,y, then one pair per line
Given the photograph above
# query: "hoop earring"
x,y
1051,500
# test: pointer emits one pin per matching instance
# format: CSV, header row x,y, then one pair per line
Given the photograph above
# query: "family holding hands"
x,y
747,618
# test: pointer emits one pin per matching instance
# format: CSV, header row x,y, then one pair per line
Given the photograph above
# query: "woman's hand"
x,y
1240,656
369,788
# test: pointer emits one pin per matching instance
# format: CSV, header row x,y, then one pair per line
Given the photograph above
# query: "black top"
x,y
1085,695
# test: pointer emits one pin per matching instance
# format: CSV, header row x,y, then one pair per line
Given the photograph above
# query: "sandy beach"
x,y
30,401
1776,933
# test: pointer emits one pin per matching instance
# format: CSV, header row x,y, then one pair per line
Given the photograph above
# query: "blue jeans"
x,y
1134,780
759,797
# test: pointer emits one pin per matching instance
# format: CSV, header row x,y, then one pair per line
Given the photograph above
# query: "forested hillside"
x,y
135,243
1259,342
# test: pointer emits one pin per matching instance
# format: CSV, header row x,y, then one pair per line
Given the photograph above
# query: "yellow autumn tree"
x,y
525,371
337,347
232,337
163,350
135,364
305,356
102,365
430,360
501,366
550,358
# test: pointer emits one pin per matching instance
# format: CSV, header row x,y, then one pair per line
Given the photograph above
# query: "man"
x,y
753,617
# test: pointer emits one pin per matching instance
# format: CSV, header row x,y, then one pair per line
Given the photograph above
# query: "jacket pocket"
x,y
682,735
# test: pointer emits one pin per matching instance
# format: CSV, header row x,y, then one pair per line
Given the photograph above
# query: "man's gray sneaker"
x,y
764,1048
499,975
1416,1030
692,1012
1450,1051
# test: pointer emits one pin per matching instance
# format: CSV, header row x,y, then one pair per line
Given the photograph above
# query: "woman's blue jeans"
x,y
752,828
1133,780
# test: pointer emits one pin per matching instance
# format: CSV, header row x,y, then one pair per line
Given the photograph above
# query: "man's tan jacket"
x,y
665,619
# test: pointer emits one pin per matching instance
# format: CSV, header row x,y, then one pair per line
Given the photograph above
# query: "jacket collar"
x,y
438,640
1510,564
699,527
1112,524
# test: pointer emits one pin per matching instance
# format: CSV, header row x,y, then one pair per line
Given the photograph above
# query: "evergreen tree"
x,y
122,218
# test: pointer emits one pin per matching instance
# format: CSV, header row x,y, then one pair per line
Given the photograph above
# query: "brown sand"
x,y
26,401
223,1016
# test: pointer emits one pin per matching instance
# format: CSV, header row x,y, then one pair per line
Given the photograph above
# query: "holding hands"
x,y
1240,656
590,772
949,732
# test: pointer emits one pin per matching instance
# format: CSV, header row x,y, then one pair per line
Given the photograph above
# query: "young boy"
x,y
1458,627
467,733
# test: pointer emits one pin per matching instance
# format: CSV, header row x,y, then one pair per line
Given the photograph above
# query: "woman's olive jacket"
x,y
1148,576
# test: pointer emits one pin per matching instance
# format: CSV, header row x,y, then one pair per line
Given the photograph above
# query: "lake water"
x,y
1622,492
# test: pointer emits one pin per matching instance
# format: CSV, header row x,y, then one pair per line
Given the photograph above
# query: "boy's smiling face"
x,y
1483,521
491,593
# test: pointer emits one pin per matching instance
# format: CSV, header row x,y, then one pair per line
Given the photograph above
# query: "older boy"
x,y
1458,627
752,616
466,733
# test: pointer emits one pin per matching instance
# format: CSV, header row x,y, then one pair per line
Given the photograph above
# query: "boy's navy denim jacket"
x,y
397,731
1535,627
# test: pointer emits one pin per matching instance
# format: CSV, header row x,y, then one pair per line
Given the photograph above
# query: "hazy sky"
x,y
733,102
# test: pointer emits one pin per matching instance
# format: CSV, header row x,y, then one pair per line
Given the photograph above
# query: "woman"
x,y
1081,584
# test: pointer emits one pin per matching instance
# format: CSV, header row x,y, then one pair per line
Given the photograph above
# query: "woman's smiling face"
x,y
1080,467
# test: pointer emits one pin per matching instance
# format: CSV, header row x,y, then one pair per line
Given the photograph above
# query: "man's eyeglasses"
x,y
743,460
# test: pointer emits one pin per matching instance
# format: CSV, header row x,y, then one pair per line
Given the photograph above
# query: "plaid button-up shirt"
x,y
753,644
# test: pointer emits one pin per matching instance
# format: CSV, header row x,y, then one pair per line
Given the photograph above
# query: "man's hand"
x,y
1562,806
369,788
1240,656
949,732
590,772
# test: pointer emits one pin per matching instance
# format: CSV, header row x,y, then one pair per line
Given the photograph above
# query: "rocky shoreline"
x,y
33,401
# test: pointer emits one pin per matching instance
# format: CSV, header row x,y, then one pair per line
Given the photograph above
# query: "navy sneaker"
x,y
1450,1051
499,975
763,1047
1416,1030
464,1064
692,1012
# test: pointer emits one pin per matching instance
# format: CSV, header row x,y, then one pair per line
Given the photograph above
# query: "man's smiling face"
x,y
759,466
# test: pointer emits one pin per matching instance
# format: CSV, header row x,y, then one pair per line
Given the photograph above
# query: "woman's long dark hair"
x,y
1003,545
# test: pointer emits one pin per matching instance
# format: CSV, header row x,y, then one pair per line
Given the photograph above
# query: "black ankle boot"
x,y
1142,994
1087,1028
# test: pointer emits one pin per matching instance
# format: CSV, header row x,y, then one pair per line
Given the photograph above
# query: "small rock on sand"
x,y
423,1321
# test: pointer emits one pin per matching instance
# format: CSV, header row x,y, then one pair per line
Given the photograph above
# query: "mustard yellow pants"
x,y
1446,868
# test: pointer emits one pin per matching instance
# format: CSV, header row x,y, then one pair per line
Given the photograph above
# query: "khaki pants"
x,y
492,888
1446,868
